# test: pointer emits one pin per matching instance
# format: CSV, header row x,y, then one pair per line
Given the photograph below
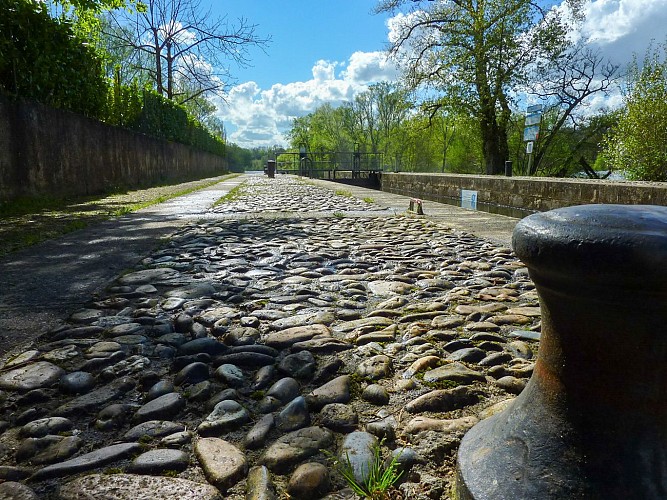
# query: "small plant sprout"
x,y
380,478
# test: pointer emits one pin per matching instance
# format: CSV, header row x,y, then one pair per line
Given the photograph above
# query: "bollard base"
x,y
590,423
526,452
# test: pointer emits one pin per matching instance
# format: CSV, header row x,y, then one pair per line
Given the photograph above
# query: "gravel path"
x,y
260,333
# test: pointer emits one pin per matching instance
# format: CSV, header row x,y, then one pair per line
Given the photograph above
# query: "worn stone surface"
x,y
254,339
33,376
89,461
223,463
132,487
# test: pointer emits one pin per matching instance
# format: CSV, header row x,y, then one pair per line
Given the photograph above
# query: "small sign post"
x,y
468,199
531,130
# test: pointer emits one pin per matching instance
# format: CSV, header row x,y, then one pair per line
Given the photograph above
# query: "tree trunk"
x,y
170,73
496,150
158,63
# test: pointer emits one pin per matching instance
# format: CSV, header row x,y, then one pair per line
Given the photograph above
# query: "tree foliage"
x,y
372,121
407,140
565,84
474,54
62,61
43,59
637,144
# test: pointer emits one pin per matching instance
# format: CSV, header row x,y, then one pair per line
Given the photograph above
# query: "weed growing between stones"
x,y
380,479
368,199
235,193
339,215
343,192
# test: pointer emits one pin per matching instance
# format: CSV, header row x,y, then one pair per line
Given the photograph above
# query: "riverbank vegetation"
x,y
470,72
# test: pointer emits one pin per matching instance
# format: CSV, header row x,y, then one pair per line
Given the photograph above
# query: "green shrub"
x,y
43,60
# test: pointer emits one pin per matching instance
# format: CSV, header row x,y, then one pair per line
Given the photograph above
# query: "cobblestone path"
x,y
289,325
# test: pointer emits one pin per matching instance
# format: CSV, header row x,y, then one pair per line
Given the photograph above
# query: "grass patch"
x,y
234,194
343,192
113,470
368,199
257,395
442,384
380,479
339,215
28,221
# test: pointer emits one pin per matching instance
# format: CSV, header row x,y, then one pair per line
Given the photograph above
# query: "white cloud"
x,y
621,28
258,117
367,67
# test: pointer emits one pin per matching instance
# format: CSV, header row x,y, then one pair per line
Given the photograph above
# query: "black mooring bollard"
x,y
271,168
508,168
592,421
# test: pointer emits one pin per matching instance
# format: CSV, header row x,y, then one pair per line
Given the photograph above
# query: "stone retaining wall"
x,y
46,151
525,193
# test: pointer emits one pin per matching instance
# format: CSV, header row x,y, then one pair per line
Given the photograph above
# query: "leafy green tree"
x,y
42,58
474,53
636,144
375,115
300,133
92,5
238,158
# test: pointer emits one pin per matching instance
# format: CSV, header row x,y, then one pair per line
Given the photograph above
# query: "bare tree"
x,y
187,49
565,84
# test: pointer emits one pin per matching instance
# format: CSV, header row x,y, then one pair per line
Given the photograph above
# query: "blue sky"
x,y
321,51
331,50
303,32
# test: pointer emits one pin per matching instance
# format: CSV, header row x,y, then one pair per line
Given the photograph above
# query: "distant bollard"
x,y
416,206
508,169
592,421
271,168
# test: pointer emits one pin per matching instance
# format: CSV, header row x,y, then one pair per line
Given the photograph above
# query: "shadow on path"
x,y
42,285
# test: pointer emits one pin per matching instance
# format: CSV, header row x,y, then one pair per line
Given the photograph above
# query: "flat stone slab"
x,y
531,312
148,276
164,407
153,429
421,424
383,288
160,460
92,460
134,486
296,446
33,376
223,463
92,401
290,336
375,321
319,317
455,372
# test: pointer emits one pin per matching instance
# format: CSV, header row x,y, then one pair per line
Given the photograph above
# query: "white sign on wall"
x,y
468,199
